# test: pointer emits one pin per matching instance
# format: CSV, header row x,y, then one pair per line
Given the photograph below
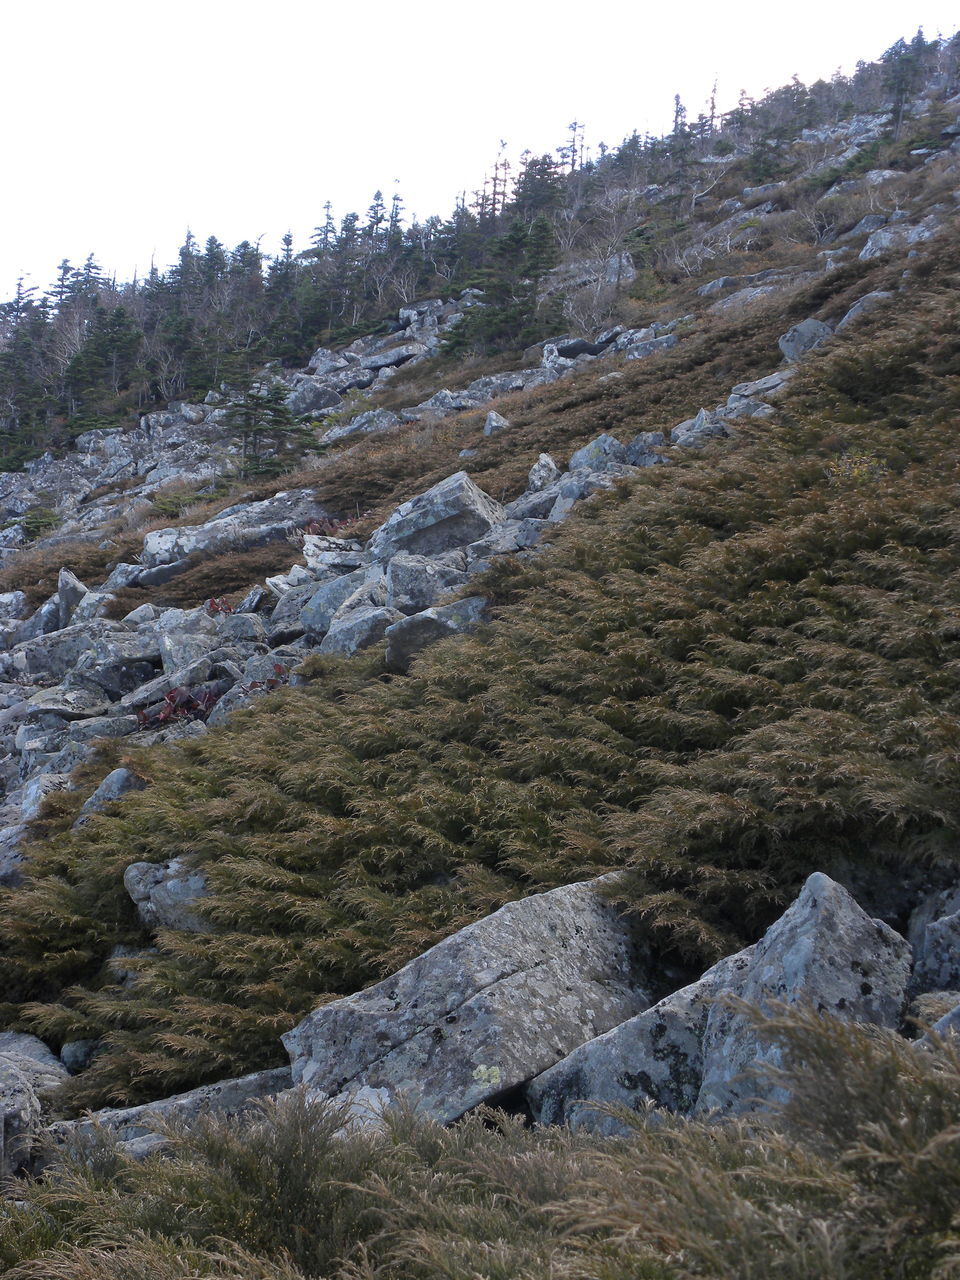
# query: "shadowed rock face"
x,y
482,1011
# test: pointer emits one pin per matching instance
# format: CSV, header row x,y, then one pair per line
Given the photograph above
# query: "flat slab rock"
x,y
481,1012
136,1127
692,1052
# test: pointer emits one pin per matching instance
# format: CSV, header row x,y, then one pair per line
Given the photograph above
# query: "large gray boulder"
x,y
863,306
655,1057
165,892
117,783
358,629
410,636
415,583
803,337
451,514
70,591
824,951
693,1052
54,654
481,1012
694,433
599,454
27,1079
319,610
244,525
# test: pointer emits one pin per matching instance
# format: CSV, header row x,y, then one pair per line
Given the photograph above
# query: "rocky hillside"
x,y
568,725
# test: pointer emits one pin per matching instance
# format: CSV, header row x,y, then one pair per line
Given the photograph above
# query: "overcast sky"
x,y
125,122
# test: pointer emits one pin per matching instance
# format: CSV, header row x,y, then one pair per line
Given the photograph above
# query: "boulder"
x,y
12,840
451,514
394,355
410,636
119,664
58,652
694,433
655,1057
823,951
481,1012
641,451
506,539
803,337
311,395
70,591
362,424
14,606
415,583
164,892
576,485
318,612
117,783
641,350
543,472
692,1052
863,306
136,1127
358,629
598,454
244,525
494,423
26,1080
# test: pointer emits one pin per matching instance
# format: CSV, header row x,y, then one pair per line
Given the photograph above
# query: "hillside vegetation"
x,y
720,675
724,675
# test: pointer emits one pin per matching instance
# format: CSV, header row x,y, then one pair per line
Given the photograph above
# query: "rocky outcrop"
x,y
697,1053
483,1011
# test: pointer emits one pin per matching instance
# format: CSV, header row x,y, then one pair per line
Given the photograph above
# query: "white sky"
x,y
127,121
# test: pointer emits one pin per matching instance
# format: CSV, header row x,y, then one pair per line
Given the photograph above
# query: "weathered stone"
x,y
76,1055
358,630
543,472
655,1057
693,433
243,525
768,388
317,614
70,591
415,583
863,306
164,892
494,423
12,840
640,452
598,454
95,604
395,355
451,514
481,1012
410,636
641,350
576,485
803,337
53,655
120,663
368,423
19,1044
37,790
184,635
14,606
310,395
225,1098
506,539
25,1081
117,783
64,702
824,951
